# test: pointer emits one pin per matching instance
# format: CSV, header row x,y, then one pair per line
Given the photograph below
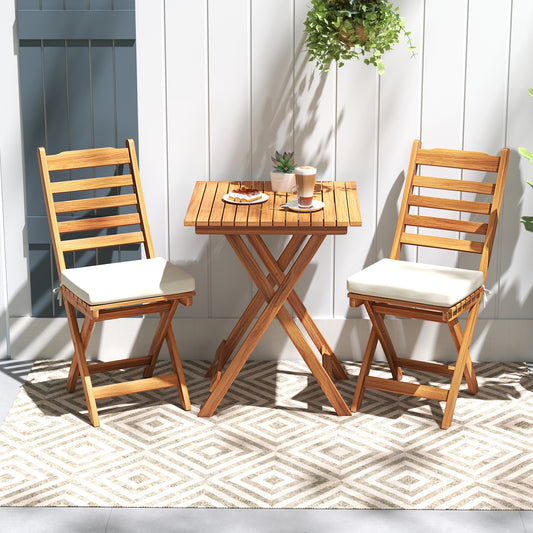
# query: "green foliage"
x,y
340,30
526,153
283,162
527,221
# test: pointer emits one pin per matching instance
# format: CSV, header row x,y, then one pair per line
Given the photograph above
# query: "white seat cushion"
x,y
415,282
117,282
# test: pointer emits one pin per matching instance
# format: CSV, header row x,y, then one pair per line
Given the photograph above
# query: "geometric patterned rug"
x,y
274,442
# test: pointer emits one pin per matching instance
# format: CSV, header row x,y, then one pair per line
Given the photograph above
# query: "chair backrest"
x,y
79,206
427,199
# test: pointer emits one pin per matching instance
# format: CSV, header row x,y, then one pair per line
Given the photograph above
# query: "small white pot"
x,y
282,182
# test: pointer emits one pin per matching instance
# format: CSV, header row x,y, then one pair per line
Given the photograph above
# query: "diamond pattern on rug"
x,y
274,442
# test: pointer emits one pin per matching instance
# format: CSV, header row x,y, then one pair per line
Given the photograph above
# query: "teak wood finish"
x,y
423,191
240,224
125,191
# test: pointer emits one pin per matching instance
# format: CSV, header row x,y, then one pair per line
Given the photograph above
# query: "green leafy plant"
x,y
283,162
527,220
340,30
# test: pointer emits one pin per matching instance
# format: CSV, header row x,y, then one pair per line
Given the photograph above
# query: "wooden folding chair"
x,y
86,212
430,292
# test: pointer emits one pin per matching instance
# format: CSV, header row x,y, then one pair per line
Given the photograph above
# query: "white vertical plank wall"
x,y
314,144
188,134
222,84
239,86
516,287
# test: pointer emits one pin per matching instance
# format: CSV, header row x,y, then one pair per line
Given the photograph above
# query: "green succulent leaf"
x,y
283,162
528,223
530,92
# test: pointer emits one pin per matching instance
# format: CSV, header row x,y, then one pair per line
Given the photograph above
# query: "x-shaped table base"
x,y
275,308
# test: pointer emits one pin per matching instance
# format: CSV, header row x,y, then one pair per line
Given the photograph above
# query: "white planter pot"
x,y
282,182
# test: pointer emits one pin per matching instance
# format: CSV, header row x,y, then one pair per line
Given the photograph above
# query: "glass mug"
x,y
305,185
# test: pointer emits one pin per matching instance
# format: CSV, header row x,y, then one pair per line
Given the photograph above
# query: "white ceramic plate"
x,y
264,198
293,206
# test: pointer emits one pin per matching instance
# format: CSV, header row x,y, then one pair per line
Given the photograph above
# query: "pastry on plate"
x,y
244,195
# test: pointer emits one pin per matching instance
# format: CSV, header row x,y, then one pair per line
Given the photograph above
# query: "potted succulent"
x,y
340,30
527,221
282,175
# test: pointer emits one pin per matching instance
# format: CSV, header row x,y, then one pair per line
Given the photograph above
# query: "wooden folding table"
x,y
210,214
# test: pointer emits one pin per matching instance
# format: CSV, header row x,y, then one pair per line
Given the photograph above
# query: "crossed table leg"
x,y
275,299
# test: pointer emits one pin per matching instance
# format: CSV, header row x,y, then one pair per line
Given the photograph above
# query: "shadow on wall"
x,y
511,295
287,115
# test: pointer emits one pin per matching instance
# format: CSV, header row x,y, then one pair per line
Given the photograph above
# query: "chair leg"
x,y
460,367
158,339
164,332
74,371
81,363
469,374
178,369
365,369
386,343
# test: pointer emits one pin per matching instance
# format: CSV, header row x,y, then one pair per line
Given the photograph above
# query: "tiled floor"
x,y
110,520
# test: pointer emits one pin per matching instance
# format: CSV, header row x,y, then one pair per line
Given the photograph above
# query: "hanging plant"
x,y
341,30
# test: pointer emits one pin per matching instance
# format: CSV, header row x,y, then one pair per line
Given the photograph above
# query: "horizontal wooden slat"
x,y
271,229
91,184
426,366
454,185
102,241
97,157
458,159
120,364
96,223
448,224
411,389
442,242
464,206
407,312
138,385
143,306
101,202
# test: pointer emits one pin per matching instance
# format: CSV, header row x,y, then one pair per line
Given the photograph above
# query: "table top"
x,y
209,213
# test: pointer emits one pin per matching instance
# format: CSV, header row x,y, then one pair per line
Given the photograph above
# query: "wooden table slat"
x,y
353,203
218,204
228,217
194,205
209,213
254,213
341,207
328,197
292,218
279,212
241,213
207,204
317,217
267,208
